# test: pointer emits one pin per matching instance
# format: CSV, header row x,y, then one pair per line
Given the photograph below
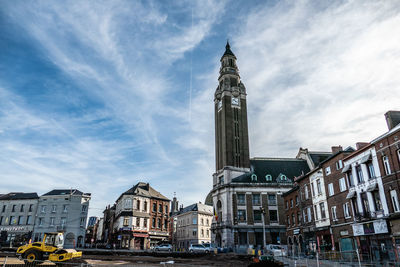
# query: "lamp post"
x,y
263,225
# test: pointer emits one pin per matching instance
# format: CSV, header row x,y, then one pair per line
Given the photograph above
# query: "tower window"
x,y
231,62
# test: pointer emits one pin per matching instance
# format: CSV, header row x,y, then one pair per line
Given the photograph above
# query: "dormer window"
x,y
268,177
254,177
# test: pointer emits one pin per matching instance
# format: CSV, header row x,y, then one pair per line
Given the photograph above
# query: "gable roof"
x,y
278,168
57,192
144,189
18,195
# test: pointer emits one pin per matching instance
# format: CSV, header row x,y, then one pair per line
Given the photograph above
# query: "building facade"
x,y
246,192
63,210
17,217
141,218
193,225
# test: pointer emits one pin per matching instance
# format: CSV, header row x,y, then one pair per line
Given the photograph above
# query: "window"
x,y
312,189
257,215
52,221
43,209
291,203
334,216
4,208
82,222
154,207
322,207
166,224
153,223
350,178
29,220
273,216
53,208
319,187
137,222
22,208
293,219
272,200
328,170
398,155
158,223
268,177
13,221
298,218
346,211
288,221
194,220
202,221
306,191
65,208
128,203
256,199
342,184
126,221
297,200
364,202
1,220
221,180
145,206
339,164
20,220
395,200
287,204
166,209
360,176
144,222
63,221
386,164
330,189
40,221
371,170
207,222
315,212
240,199
138,205
208,233
377,200
13,208
242,215
309,214
304,216
30,207
84,208
194,232
202,232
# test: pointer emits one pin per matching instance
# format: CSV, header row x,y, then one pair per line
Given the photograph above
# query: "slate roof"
x,y
144,189
196,207
278,168
57,192
318,157
228,50
19,195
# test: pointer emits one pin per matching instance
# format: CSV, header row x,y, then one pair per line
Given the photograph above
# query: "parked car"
x,y
198,248
210,247
163,247
276,250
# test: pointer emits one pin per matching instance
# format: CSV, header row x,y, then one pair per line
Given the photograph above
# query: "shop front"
x,y
15,235
310,241
140,240
374,241
324,239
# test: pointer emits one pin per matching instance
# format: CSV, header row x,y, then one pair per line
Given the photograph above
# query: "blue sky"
x,y
99,95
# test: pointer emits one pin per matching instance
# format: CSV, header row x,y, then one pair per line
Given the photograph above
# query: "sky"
x,y
99,95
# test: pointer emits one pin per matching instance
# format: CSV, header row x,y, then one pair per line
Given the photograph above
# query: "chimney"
x,y
392,118
336,149
361,145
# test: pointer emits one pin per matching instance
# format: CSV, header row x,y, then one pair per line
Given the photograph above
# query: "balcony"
x,y
361,216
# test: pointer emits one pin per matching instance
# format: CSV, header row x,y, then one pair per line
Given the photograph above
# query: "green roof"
x,y
273,170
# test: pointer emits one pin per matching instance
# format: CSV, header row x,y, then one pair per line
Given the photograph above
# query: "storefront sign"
x,y
343,233
296,231
125,229
13,228
376,227
140,235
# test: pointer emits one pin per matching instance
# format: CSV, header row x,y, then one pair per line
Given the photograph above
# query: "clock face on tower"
x,y
235,101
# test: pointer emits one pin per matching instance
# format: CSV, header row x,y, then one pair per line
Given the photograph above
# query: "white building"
x,y
318,193
63,210
193,225
17,217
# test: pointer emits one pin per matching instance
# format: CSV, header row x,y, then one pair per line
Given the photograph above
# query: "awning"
x,y
365,158
346,168
351,194
372,187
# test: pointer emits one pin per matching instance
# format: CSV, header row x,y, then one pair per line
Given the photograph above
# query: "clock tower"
x,y
231,133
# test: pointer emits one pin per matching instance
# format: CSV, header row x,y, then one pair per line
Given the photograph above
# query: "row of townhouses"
x,y
26,216
350,201
139,219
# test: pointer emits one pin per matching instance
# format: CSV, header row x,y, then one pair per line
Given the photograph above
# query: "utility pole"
x,y
263,224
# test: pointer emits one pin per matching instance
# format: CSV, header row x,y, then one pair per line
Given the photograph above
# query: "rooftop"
x,y
18,195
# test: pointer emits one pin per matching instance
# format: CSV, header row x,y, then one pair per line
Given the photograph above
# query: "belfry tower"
x,y
231,131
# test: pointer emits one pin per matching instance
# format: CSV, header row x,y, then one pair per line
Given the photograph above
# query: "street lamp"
x,y
263,224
